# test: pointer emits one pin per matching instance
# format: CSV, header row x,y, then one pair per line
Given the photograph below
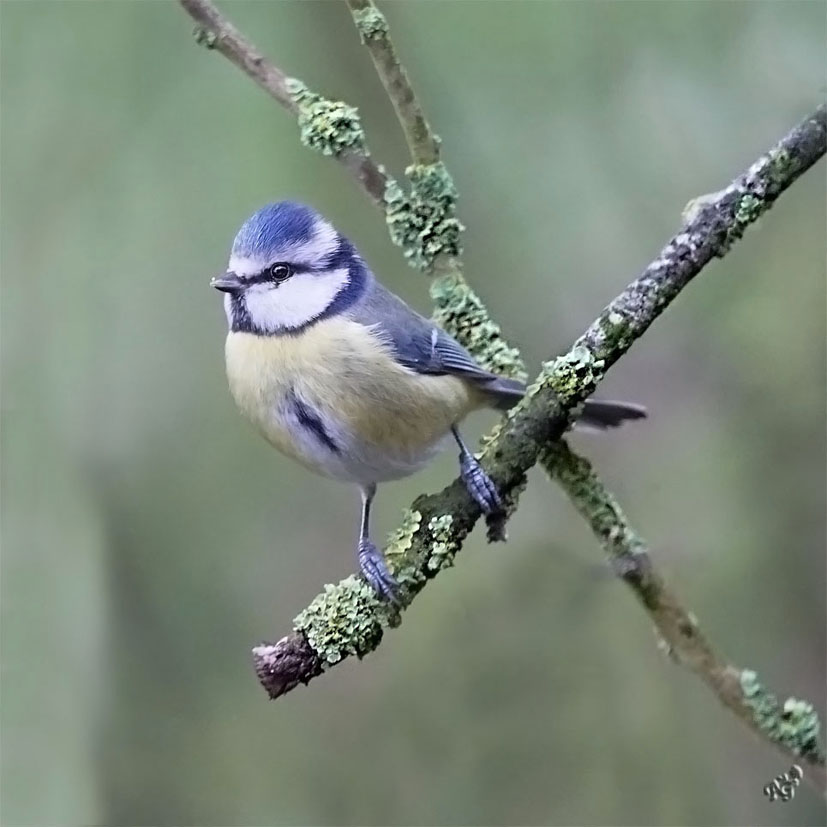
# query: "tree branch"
x,y
347,619
792,727
373,29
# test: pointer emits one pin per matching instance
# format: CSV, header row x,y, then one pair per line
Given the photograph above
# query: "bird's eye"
x,y
280,271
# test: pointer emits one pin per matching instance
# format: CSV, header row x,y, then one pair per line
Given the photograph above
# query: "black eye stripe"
x,y
259,278
296,267
267,275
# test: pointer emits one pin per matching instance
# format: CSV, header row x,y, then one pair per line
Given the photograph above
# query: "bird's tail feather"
x,y
599,414
603,414
505,393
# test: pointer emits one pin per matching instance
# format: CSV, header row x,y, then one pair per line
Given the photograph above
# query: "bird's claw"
x,y
480,486
375,570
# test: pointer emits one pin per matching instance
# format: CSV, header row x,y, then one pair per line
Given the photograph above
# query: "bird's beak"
x,y
228,283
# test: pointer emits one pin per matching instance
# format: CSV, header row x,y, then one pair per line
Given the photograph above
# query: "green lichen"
x,y
572,376
593,500
749,209
397,552
460,311
782,165
617,331
370,23
348,618
344,620
423,222
795,725
328,126
204,37
444,545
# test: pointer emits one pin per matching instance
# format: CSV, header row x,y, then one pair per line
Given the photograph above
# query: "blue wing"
x,y
420,345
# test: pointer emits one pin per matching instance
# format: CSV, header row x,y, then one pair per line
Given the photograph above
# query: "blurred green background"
x,y
150,537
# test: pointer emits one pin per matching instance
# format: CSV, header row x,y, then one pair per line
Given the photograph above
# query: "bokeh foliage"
x,y
150,538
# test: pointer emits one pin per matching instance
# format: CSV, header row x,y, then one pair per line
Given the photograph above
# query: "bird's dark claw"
x,y
480,486
375,570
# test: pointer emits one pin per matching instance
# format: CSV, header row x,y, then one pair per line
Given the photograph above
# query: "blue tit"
x,y
338,373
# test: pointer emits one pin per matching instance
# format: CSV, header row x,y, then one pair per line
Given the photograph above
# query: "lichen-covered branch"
x,y
373,29
793,726
347,619
329,126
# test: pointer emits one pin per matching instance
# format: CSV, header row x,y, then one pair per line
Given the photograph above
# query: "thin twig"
x,y
373,29
215,31
791,727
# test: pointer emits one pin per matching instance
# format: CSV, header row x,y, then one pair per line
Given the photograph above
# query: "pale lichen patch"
x,y
459,310
343,620
423,221
370,23
400,541
795,724
328,126
443,544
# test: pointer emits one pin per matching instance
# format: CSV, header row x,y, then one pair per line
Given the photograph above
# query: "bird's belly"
x,y
335,400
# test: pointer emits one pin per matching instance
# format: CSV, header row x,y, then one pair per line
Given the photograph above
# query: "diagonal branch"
x,y
347,619
793,726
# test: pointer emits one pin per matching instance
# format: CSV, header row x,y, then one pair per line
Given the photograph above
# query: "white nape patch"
x,y
322,243
295,302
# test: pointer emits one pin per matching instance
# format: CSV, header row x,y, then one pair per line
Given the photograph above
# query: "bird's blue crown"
x,y
275,226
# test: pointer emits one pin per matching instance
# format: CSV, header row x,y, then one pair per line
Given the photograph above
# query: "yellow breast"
x,y
348,374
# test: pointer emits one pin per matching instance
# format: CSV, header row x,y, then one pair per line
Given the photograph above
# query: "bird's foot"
x,y
375,571
480,486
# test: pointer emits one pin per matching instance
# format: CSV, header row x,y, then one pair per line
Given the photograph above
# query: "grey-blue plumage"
x,y
422,346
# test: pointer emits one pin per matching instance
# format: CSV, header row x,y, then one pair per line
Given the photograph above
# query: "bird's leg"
x,y
371,561
480,486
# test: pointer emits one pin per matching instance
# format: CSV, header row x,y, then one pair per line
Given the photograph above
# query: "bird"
x,y
340,374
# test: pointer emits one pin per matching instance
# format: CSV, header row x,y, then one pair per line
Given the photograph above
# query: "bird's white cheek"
x,y
294,303
228,308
